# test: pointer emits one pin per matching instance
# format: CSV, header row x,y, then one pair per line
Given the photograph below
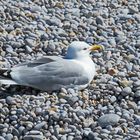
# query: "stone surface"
x,y
108,119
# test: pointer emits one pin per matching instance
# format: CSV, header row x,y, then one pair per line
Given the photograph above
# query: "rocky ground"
x,y
109,109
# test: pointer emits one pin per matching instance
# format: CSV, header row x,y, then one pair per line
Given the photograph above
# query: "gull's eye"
x,y
85,49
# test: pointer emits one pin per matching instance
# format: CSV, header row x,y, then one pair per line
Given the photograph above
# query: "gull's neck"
x,y
77,57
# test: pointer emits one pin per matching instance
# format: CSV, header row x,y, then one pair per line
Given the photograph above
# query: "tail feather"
x,y
7,81
5,78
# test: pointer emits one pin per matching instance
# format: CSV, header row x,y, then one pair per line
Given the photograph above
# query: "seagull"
x,y
49,73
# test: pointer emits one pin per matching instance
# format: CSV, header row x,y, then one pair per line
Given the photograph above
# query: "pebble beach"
x,y
109,108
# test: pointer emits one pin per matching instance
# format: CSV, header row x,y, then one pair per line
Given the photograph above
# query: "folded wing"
x,y
50,74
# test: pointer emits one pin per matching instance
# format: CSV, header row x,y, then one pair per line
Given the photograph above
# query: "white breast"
x,y
88,66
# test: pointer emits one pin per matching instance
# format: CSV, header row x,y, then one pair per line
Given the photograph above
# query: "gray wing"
x,y
43,60
51,76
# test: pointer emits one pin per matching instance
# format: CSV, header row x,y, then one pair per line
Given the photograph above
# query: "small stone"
x,y
133,9
15,132
39,126
2,138
35,132
21,129
9,28
108,119
99,20
8,137
92,135
90,40
9,49
137,93
126,91
51,46
62,101
2,126
113,99
28,49
112,71
64,137
53,138
125,83
70,138
137,119
30,42
13,118
132,105
33,137
10,100
38,111
137,83
72,100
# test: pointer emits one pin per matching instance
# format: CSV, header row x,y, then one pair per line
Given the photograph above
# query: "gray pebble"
x,y
2,126
72,100
137,94
15,132
99,20
33,137
126,91
113,99
2,138
8,137
38,111
9,49
28,49
108,119
39,125
9,28
53,138
30,42
70,138
10,100
64,137
137,83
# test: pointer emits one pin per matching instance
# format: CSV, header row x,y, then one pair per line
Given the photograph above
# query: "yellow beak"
x,y
96,47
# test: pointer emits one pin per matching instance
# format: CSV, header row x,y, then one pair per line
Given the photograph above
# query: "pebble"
x,y
137,94
113,99
108,119
28,49
8,137
99,20
2,126
126,91
73,100
30,42
33,137
2,138
10,100
39,125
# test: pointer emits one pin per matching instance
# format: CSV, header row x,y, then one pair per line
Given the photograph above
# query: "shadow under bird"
x,y
75,70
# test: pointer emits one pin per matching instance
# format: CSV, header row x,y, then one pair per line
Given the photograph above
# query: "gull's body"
x,y
75,70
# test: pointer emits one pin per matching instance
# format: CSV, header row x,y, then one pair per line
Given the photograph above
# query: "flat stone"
x,y
126,91
2,126
33,137
10,100
2,138
108,119
39,126
8,137
137,93
99,20
72,100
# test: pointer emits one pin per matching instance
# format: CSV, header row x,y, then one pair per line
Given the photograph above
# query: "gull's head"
x,y
78,49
